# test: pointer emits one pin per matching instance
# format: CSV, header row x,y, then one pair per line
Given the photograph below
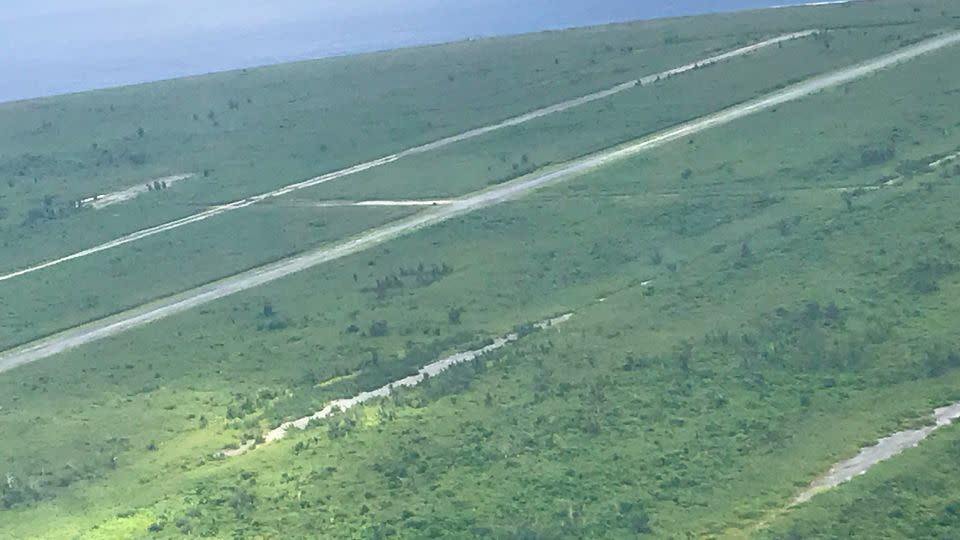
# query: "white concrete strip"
x,y
515,121
339,204
167,307
813,4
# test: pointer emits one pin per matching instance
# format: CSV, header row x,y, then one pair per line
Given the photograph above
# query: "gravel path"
x,y
431,370
99,202
885,449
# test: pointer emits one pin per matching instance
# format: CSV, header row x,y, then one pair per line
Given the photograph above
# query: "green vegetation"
x,y
914,496
93,287
751,305
287,123
59,299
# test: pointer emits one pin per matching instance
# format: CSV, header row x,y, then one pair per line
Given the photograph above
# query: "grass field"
x,y
55,301
300,120
785,324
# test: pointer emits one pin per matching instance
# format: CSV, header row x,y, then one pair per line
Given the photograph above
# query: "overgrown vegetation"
x,y
738,329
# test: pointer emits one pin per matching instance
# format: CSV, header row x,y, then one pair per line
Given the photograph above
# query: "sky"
x,y
50,47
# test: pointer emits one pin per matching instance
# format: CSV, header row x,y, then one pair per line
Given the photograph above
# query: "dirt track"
x,y
430,370
163,308
99,202
473,133
885,449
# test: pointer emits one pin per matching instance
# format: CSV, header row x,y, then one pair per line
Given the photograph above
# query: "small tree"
x,y
784,227
683,354
847,199
378,329
656,258
745,256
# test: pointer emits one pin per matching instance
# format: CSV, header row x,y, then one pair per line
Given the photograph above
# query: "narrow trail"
x,y
844,471
99,202
431,370
944,160
337,204
885,449
814,4
179,303
356,169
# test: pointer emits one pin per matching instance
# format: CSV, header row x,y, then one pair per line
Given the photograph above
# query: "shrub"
x,y
924,276
378,329
877,156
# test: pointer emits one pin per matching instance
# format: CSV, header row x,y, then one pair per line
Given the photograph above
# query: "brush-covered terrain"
x,y
749,305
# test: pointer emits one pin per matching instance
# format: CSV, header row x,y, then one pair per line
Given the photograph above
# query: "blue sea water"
x,y
61,46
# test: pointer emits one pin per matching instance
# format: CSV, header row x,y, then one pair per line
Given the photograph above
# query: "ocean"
x,y
58,46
